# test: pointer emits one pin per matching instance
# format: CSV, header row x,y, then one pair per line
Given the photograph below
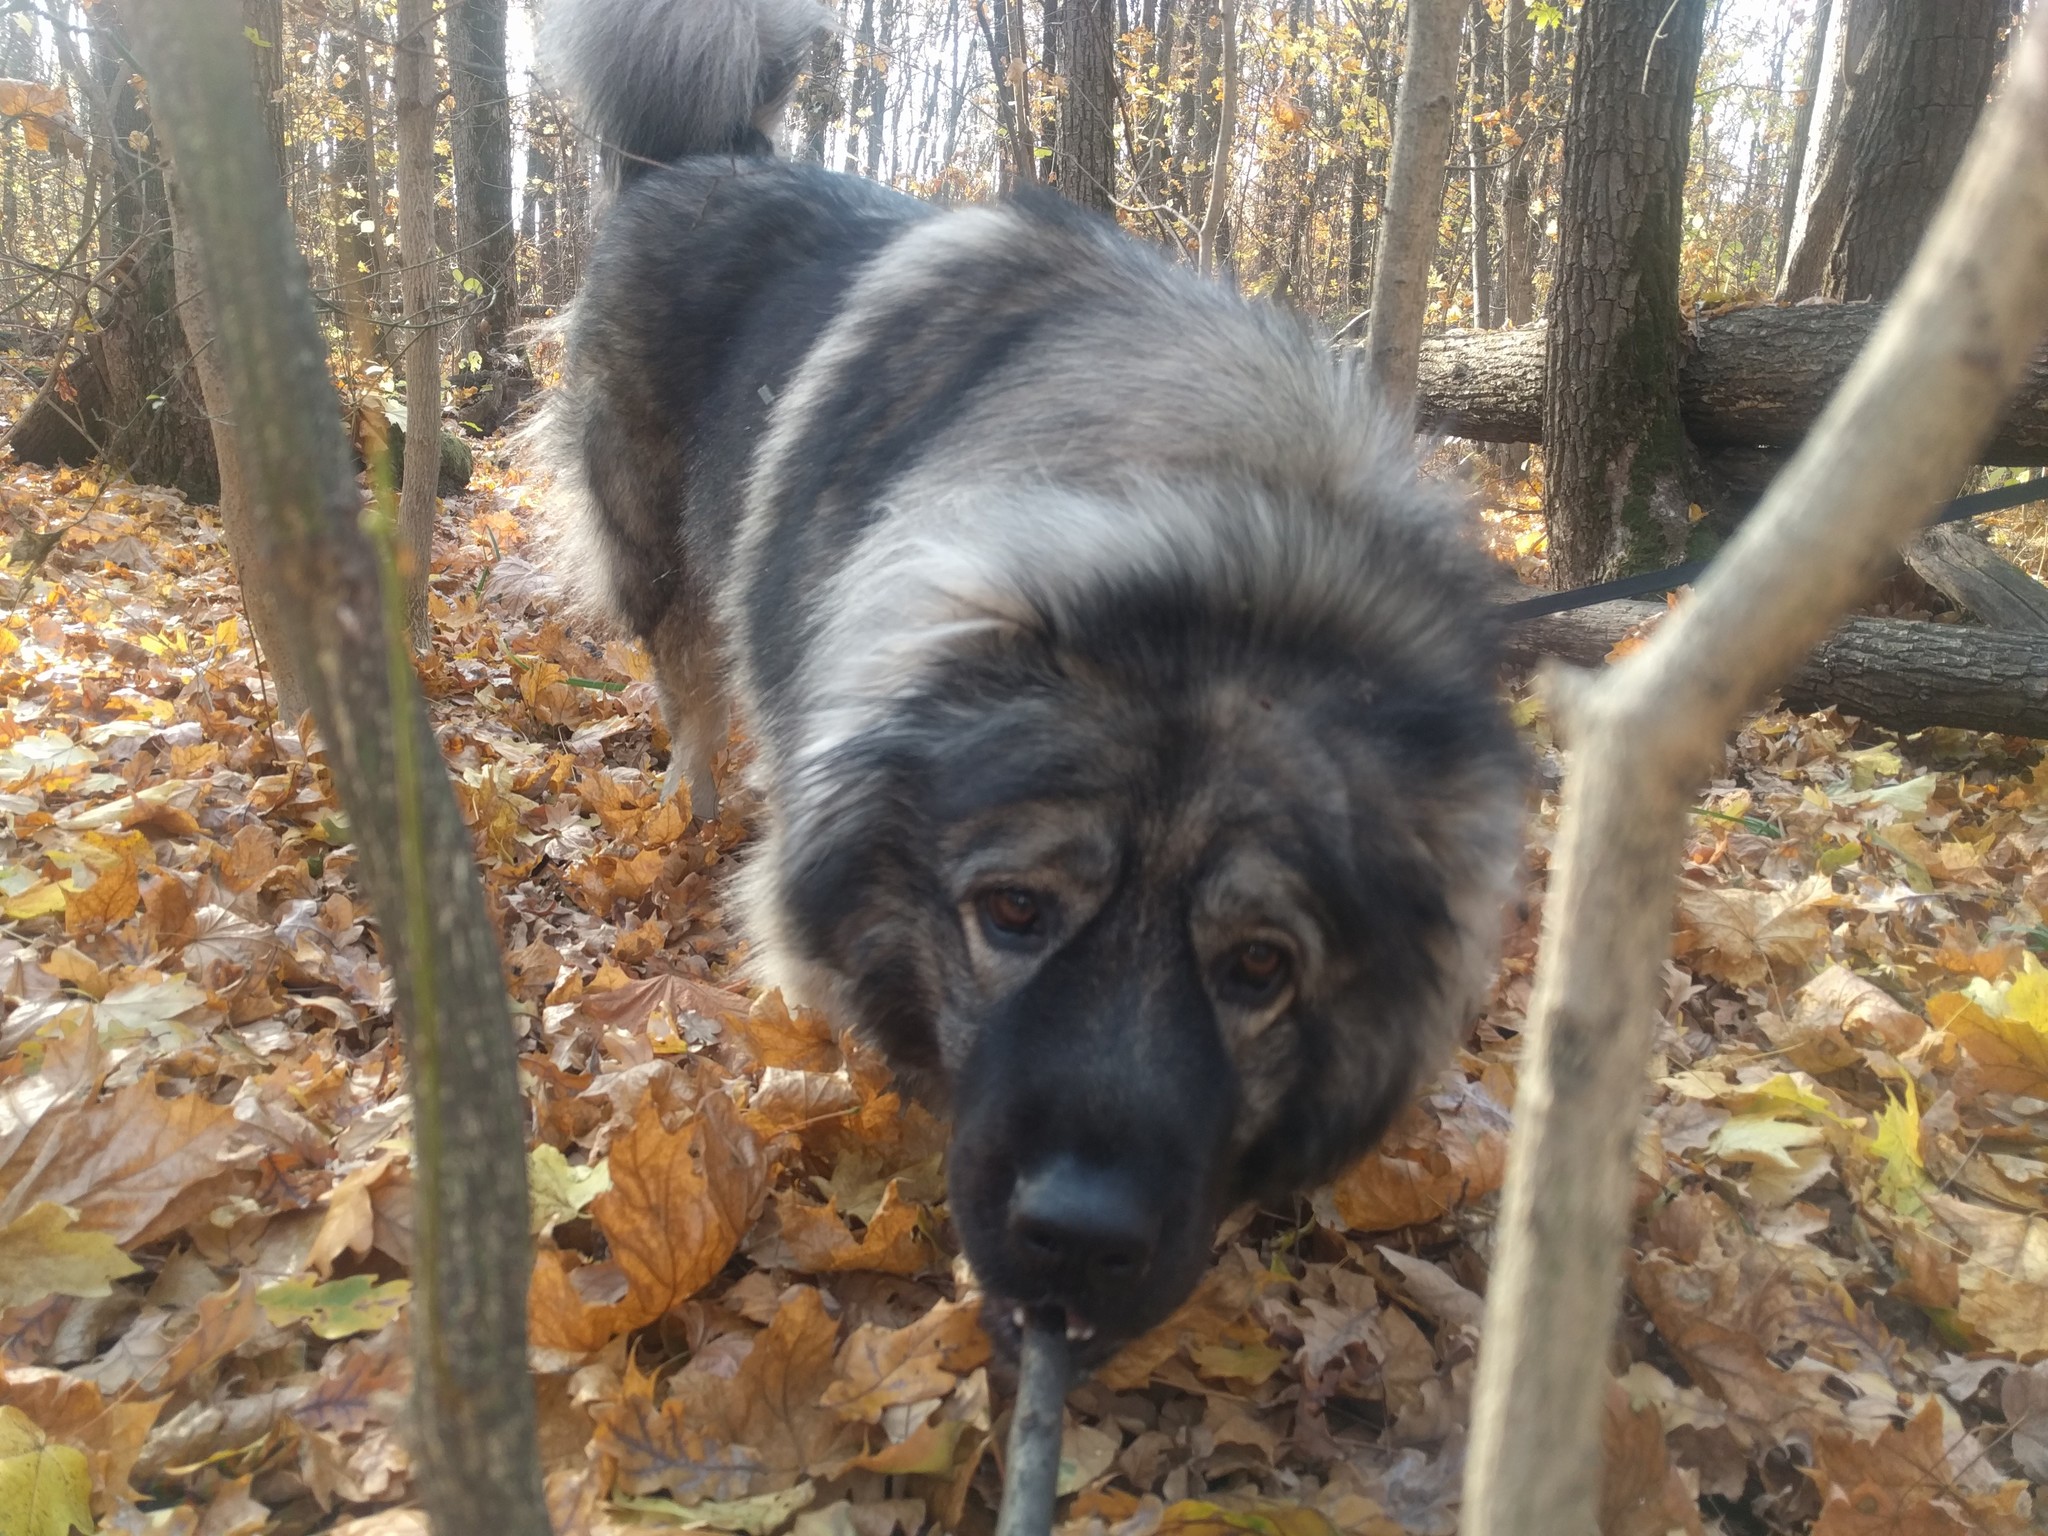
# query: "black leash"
x,y
1651,582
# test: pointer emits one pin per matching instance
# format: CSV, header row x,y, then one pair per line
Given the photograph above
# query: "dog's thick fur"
x,y
1125,705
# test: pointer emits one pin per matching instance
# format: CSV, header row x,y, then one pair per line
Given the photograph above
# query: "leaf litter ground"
x,y
748,1312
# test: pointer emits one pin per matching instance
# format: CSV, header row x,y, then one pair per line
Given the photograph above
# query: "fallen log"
x,y
1976,578
1750,378
1896,673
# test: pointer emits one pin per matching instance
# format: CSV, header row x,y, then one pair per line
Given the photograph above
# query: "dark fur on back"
x,y
1049,580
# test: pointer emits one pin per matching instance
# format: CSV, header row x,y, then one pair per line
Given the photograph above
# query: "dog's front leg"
x,y
687,676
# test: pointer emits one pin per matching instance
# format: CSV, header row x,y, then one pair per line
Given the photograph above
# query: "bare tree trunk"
x,y
1479,178
1644,733
1194,117
1226,136
1928,71
1517,236
1802,129
1084,156
1356,242
1621,478
473,1421
819,102
1414,198
480,136
414,76
357,205
1841,107
1013,111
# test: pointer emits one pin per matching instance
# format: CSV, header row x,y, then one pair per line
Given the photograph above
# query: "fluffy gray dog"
x,y
1134,770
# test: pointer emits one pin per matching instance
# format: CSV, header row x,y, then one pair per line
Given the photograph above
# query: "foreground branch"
x,y
473,1416
1907,422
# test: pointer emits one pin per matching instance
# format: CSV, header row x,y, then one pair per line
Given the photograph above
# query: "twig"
x,y
1031,1476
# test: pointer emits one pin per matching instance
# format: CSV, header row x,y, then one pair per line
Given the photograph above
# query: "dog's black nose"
x,y
1084,1221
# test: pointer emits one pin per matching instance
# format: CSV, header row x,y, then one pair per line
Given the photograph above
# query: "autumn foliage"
x,y
747,1310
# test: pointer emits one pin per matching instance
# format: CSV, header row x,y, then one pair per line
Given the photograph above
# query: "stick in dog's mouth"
x,y
1031,1469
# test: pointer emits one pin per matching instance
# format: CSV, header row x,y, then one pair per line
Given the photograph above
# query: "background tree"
x,y
128,397
1408,225
480,138
1621,480
1901,84
1084,149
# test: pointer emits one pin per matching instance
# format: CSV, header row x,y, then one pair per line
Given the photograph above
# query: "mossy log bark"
x,y
474,1419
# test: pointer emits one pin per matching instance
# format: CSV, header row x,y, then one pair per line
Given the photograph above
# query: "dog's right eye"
x,y
1012,915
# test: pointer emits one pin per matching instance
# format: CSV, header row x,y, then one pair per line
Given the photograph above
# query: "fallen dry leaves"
x,y
747,1308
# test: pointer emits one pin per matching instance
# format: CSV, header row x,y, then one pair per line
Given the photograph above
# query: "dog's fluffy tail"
x,y
655,80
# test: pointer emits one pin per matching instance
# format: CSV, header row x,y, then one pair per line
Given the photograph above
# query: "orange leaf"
x,y
772,1403
1641,1493
820,1243
1889,1486
1423,1170
558,1319
882,1368
679,1203
109,900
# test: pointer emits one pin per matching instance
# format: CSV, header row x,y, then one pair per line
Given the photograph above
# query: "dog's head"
x,y
1173,882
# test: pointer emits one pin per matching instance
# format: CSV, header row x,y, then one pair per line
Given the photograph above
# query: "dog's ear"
x,y
858,892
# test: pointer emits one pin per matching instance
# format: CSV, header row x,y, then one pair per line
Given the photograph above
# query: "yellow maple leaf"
x,y
1902,1176
45,1489
40,1255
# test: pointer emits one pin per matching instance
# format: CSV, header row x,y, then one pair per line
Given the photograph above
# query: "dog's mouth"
x,y
1005,1320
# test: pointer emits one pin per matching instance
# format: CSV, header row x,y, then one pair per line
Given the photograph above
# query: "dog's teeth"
x,y
1080,1333
1019,1318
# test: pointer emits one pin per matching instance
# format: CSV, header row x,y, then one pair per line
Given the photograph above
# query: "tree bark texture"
x,y
480,137
1619,474
1900,675
1802,130
358,201
1921,86
196,306
1479,176
1824,171
473,1421
1751,378
1641,736
1982,582
414,82
1413,202
1084,154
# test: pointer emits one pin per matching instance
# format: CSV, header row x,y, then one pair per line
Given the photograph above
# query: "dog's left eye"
x,y
1256,973
1012,915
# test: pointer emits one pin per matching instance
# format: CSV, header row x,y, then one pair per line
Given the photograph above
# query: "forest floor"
x,y
748,1314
